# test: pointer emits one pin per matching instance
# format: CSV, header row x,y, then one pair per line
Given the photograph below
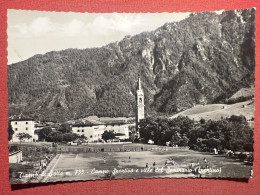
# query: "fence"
x,y
115,148
126,147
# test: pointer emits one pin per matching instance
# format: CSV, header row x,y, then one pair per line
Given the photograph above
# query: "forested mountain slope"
x,y
204,58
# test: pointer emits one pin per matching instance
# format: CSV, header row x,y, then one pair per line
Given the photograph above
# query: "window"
x,y
78,130
26,128
26,123
16,123
91,136
82,130
16,129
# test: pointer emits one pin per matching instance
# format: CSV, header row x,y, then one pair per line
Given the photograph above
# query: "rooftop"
x,y
91,125
22,119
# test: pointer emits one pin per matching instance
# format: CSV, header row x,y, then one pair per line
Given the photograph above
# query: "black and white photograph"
x,y
101,96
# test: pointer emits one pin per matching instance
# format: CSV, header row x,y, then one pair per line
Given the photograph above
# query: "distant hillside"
x,y
217,111
241,95
244,92
205,58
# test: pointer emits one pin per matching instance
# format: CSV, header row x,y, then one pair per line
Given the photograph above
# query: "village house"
x,y
23,126
93,132
16,157
121,130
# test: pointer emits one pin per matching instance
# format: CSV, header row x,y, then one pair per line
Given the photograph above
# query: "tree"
x,y
55,136
10,131
107,135
23,136
145,128
180,140
44,133
232,133
68,137
176,138
159,131
64,128
202,121
184,140
83,137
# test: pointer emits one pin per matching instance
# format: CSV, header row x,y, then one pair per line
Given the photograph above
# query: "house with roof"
x,y
23,126
93,132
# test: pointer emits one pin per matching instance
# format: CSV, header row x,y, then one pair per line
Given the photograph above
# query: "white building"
x,y
93,132
23,126
16,157
120,129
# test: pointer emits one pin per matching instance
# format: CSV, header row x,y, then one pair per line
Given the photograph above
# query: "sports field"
x,y
91,166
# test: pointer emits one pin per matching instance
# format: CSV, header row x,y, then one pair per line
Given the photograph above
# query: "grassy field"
x,y
216,111
91,166
244,92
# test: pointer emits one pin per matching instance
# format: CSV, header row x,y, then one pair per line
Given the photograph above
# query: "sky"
x,y
37,32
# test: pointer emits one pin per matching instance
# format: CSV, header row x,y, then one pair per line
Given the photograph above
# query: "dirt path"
x,y
50,167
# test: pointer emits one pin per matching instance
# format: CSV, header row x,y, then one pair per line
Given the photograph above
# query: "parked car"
x,y
72,144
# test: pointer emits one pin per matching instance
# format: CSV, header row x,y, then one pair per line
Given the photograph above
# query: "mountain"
x,y
204,58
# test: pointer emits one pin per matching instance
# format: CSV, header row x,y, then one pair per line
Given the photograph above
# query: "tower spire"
x,y
139,83
139,104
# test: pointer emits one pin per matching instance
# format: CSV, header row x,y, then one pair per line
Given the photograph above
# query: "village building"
x,y
93,132
16,157
24,126
121,130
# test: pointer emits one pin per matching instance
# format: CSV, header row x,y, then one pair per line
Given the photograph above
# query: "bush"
x,y
249,147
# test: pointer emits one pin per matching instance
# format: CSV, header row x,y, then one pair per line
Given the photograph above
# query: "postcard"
x,y
95,96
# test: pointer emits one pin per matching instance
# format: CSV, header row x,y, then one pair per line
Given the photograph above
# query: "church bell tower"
x,y
139,102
